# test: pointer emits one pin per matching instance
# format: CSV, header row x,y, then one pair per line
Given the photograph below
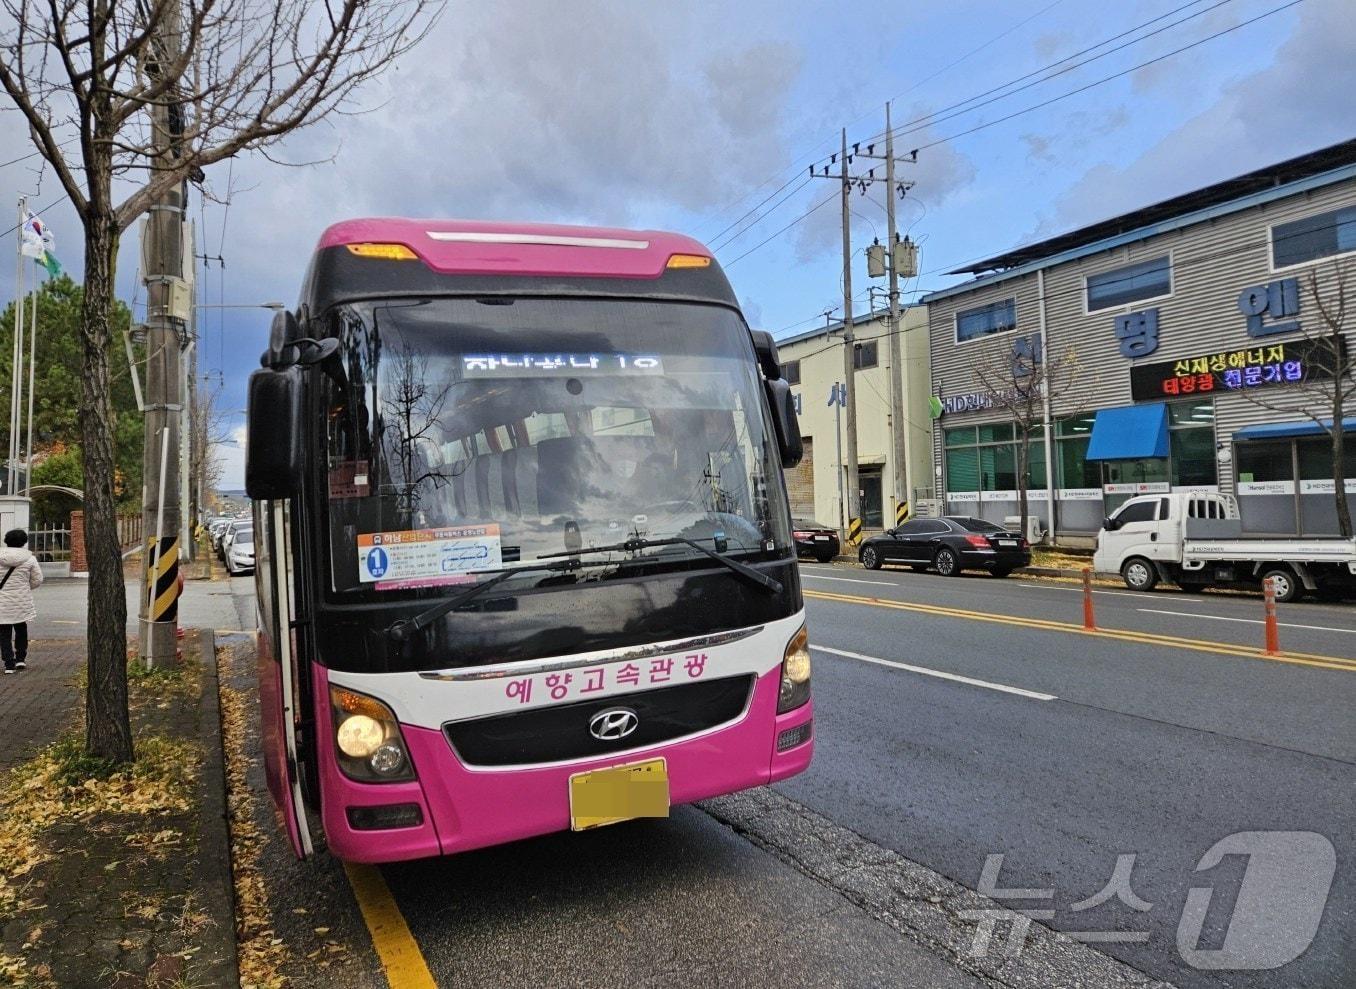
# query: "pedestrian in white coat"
x,y
20,574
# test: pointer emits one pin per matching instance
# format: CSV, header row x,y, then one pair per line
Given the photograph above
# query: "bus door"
x,y
282,699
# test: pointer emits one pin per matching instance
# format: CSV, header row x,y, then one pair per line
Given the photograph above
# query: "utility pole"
x,y
167,309
899,426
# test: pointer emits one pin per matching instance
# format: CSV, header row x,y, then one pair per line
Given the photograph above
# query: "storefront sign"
x,y
1325,487
1288,362
1080,494
1267,487
1138,333
1142,487
962,496
1274,300
998,496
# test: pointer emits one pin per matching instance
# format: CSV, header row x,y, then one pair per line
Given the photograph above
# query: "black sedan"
x,y
948,545
814,539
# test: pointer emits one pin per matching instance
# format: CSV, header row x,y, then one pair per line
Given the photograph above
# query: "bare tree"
x,y
89,77
1016,380
410,429
207,429
1328,383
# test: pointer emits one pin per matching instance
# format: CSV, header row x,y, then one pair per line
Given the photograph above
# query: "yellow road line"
x,y
400,956
1143,638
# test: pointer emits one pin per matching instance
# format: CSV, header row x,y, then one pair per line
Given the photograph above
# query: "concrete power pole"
x,y
899,426
854,532
167,309
897,420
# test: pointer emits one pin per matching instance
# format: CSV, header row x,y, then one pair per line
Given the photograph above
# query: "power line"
x,y
1116,75
963,106
1007,85
1085,88
54,202
813,209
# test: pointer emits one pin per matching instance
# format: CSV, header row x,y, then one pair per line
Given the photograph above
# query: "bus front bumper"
x,y
463,808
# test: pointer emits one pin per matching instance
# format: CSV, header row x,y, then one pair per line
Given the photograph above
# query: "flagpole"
x,y
32,363
11,465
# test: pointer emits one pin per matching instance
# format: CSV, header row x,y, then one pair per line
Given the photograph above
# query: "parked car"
x,y
240,555
1196,540
814,539
227,534
948,545
218,529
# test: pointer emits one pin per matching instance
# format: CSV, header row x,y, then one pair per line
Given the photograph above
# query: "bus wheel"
x,y
1139,574
1283,582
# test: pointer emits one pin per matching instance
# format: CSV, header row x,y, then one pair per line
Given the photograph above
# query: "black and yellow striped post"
x,y
854,532
164,574
901,513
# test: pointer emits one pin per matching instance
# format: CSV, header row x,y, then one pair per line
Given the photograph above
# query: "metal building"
x,y
1185,348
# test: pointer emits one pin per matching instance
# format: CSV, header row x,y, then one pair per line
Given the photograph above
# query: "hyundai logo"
x,y
613,724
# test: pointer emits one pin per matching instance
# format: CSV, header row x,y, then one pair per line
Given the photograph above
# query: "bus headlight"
x,y
795,685
367,740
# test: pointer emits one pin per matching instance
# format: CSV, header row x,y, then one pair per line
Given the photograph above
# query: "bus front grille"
x,y
561,733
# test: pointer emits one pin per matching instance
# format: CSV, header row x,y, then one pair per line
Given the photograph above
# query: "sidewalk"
x,y
120,880
39,703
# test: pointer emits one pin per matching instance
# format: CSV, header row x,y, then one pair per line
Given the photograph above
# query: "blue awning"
x,y
1285,430
1133,432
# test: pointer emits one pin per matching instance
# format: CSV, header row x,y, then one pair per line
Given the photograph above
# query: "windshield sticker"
x,y
425,557
579,365
348,479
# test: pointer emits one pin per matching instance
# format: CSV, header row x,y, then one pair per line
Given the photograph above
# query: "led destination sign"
x,y
1289,362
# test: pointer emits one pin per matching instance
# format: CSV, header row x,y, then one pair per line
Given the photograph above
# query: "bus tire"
x,y
1286,584
1139,574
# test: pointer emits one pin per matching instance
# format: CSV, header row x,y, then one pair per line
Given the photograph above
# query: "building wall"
x,y
821,366
1212,262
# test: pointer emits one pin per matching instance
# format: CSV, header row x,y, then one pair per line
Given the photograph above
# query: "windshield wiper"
x,y
638,543
406,628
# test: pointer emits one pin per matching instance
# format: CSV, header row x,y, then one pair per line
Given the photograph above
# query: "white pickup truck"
x,y
1197,540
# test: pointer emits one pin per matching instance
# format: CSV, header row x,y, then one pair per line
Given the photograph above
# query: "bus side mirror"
x,y
783,406
766,349
274,434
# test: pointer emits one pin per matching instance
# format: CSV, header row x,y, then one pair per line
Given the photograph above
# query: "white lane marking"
x,y
1099,591
1034,695
1250,621
853,580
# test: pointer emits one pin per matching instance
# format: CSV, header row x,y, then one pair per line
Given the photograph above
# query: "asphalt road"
x,y
1146,748
1143,748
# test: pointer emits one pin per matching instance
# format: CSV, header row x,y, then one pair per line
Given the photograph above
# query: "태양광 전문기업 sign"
x,y
1282,363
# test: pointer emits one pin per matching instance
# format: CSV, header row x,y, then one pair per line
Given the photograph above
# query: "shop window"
x,y
1191,413
1131,283
995,432
964,436
962,470
1075,426
997,317
1149,470
1193,456
791,372
1264,462
1322,235
998,468
1315,458
1075,470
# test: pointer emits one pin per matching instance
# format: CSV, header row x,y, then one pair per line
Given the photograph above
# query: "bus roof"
x,y
477,247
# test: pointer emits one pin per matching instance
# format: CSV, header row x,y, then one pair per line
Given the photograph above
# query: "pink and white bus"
x,y
524,557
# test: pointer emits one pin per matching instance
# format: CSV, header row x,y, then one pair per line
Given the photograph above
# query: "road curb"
x,y
215,886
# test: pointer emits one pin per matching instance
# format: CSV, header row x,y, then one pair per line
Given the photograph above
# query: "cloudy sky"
x,y
689,116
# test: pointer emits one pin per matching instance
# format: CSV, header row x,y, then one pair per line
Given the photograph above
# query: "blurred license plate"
x,y
606,796
1007,542
821,539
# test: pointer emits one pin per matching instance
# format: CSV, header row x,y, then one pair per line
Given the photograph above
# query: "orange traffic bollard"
x,y
1269,605
1088,620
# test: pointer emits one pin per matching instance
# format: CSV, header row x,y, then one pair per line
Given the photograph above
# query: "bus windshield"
x,y
465,436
